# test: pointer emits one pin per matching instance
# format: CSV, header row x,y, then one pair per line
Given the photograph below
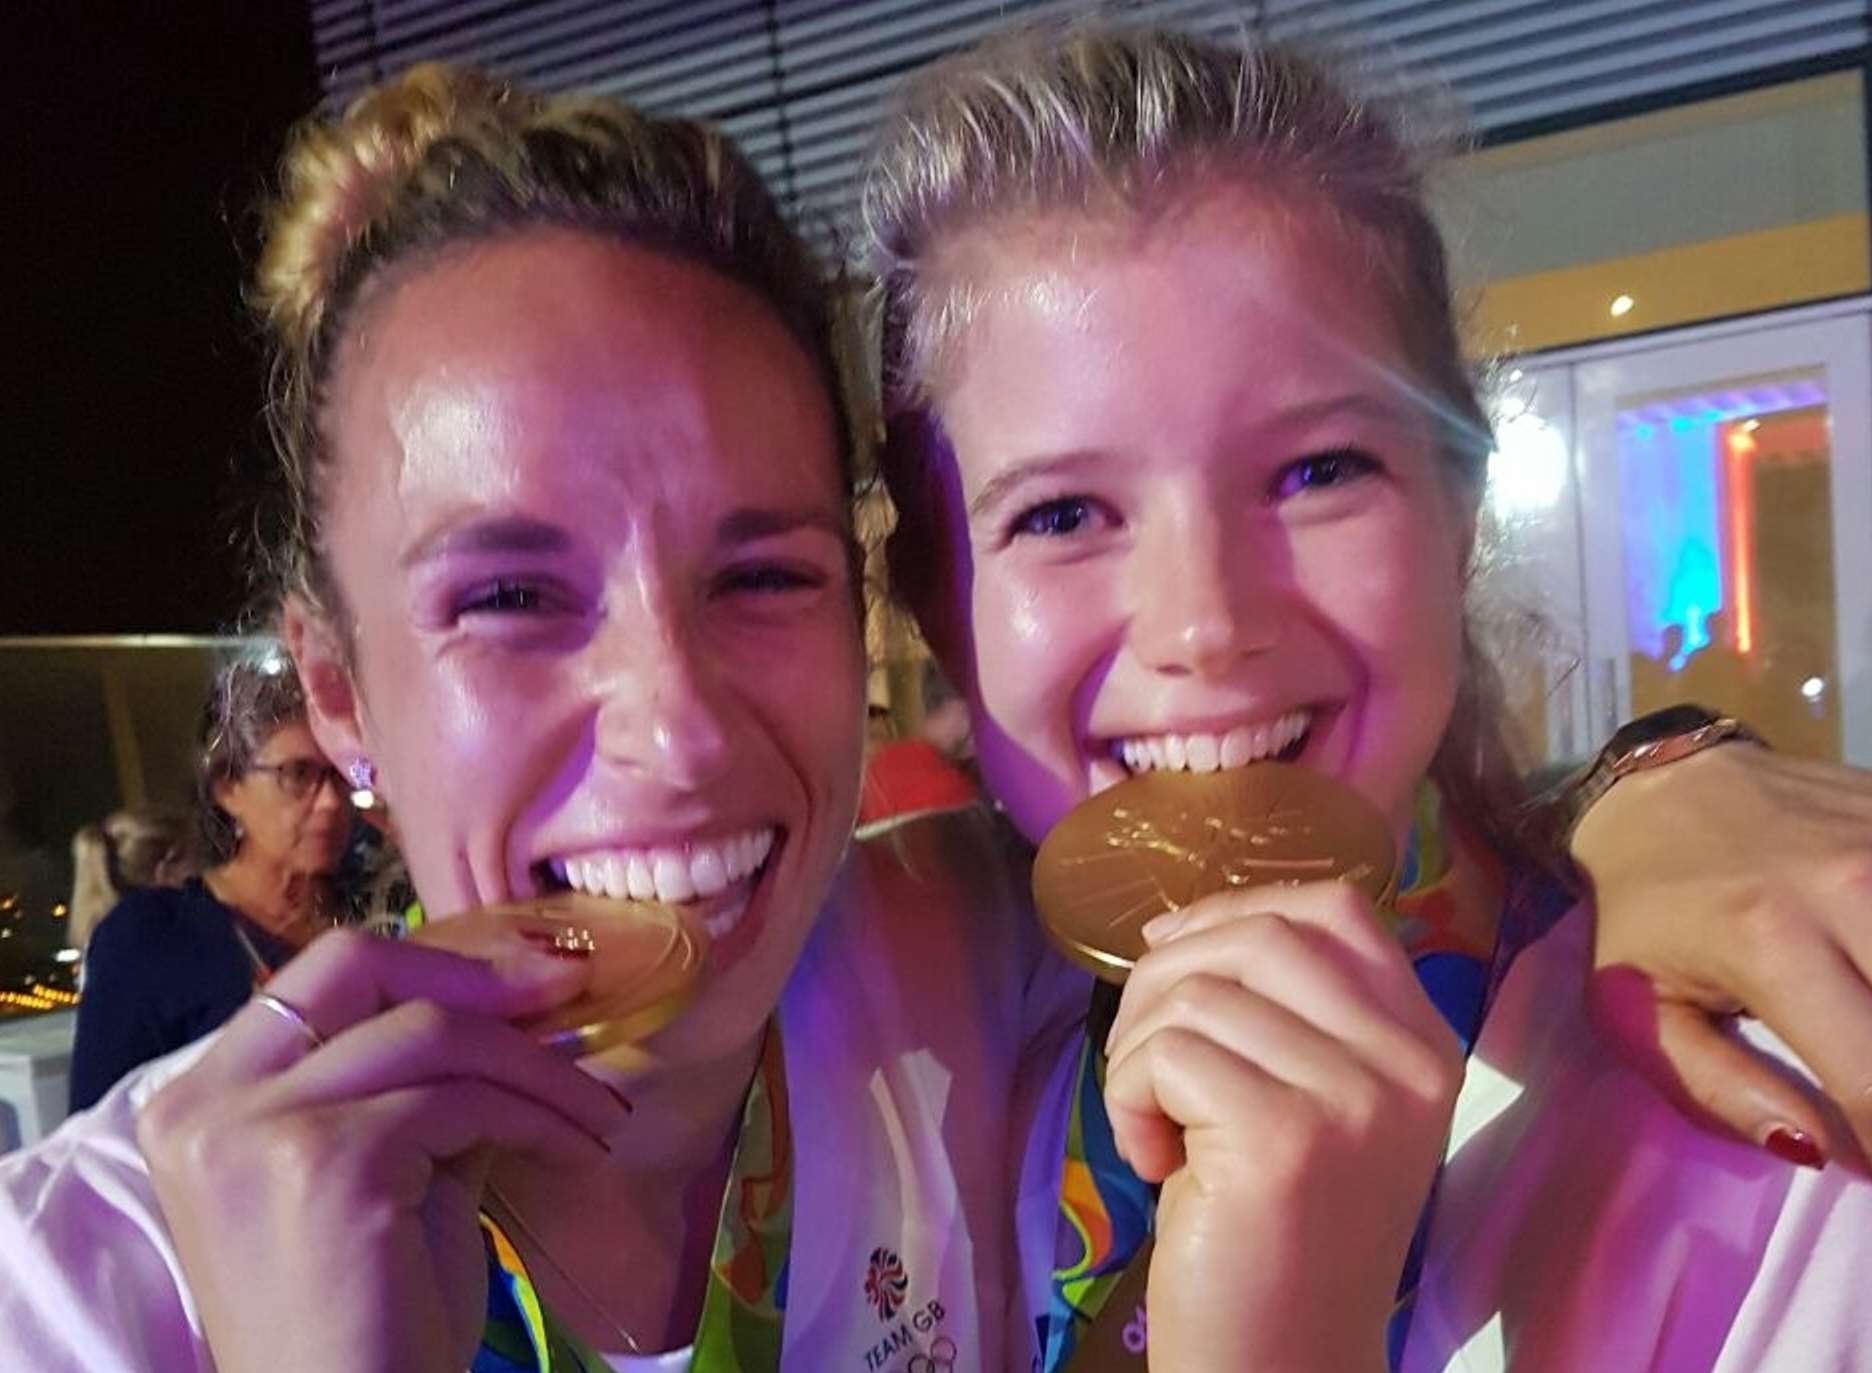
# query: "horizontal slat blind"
x,y
801,83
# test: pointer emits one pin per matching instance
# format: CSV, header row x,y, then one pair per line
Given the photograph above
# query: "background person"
x,y
169,964
140,846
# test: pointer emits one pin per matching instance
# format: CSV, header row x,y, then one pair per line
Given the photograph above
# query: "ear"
x,y
332,702
222,790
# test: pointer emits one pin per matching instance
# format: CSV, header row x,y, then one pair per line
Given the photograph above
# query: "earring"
x,y
362,774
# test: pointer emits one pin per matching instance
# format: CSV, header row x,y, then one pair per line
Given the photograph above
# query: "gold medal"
x,y
645,962
1160,840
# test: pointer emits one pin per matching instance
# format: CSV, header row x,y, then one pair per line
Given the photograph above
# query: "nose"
x,y
659,703
1202,597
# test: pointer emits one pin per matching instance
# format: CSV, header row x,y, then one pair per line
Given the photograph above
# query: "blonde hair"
x,y
1131,121
442,157
135,847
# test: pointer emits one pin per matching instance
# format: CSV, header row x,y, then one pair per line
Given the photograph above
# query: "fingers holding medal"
x,y
1273,1063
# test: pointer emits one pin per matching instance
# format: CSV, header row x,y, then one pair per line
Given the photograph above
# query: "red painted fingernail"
x,y
1796,1146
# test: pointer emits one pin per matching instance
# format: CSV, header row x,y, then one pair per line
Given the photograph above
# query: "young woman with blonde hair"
x,y
1189,466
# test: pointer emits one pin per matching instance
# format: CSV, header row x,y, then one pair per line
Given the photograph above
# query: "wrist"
x,y
1648,744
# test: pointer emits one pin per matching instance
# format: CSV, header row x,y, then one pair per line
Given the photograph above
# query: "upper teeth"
x,y
700,868
1242,745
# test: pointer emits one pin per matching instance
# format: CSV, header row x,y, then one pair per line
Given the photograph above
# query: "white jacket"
x,y
1584,1226
904,1026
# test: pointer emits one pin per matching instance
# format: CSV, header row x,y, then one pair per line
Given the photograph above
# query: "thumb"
x,y
1719,1082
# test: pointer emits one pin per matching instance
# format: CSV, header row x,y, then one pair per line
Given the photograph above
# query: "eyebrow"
x,y
751,523
523,534
503,534
1008,479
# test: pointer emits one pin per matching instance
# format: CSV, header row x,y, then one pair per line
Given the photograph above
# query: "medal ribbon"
x,y
1451,888
744,1308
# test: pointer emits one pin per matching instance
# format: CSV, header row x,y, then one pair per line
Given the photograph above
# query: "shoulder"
x,y
145,915
83,1192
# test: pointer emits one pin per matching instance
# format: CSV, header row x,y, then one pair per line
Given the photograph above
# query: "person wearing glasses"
x,y
169,964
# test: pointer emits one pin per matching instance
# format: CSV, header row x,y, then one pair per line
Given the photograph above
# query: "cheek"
x,y
458,741
1034,629
804,685
1397,611
1041,635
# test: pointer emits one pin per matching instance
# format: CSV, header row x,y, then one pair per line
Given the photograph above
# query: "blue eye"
x,y
1055,519
1335,468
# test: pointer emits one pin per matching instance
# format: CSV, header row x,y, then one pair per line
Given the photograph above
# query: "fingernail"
x,y
1162,927
1796,1146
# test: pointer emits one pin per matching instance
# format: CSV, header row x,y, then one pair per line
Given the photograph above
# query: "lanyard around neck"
x,y
743,1310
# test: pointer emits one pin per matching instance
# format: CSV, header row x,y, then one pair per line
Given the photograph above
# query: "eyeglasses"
x,y
301,777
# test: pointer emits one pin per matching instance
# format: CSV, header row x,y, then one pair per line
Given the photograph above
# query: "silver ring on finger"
x,y
293,1016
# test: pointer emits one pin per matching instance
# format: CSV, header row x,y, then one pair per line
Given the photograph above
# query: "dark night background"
x,y
141,137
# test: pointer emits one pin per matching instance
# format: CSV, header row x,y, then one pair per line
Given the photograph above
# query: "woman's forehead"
x,y
1229,259
556,362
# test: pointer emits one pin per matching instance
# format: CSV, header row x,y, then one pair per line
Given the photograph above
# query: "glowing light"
x,y
273,664
1622,306
66,956
1813,688
59,910
363,798
1750,426
1671,533
1741,493
1527,472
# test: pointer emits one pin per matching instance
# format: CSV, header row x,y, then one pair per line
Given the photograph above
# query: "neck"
x,y
626,1246
682,1116
286,902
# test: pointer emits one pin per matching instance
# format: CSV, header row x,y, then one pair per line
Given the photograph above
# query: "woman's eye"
x,y
1057,518
770,579
504,598
1335,468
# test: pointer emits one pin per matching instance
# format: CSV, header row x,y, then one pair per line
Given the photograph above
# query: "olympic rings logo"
x,y
940,1359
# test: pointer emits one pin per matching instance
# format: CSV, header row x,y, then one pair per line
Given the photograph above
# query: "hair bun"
x,y
339,175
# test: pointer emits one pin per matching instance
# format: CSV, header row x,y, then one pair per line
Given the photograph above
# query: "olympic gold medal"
x,y
1160,840
645,962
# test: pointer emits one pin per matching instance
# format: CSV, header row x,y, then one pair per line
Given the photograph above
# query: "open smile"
x,y
1284,738
717,874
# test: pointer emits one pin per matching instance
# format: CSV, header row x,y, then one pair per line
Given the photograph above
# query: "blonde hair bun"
x,y
338,177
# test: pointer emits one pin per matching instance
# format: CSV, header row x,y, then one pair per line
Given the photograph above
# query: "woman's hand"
x,y
1277,1066
323,1199
1739,879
